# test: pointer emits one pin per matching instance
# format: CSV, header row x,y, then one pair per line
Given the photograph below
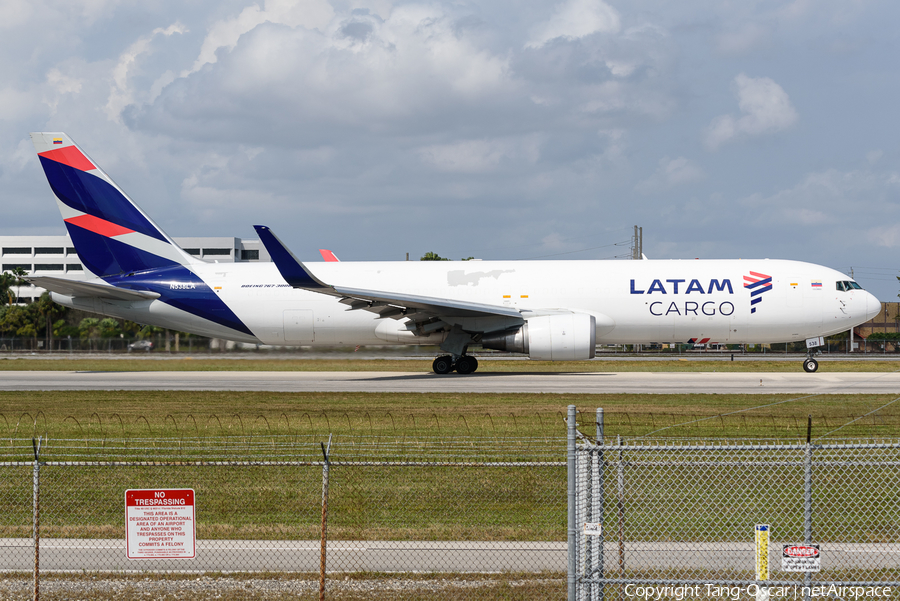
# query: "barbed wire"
x,y
538,428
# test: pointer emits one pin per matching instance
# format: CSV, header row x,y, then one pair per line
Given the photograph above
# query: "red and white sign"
x,y
800,551
801,558
159,524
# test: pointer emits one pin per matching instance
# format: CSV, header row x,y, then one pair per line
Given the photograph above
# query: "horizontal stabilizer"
x,y
86,289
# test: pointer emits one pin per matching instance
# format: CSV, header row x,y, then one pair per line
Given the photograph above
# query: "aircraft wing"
x,y
385,303
76,288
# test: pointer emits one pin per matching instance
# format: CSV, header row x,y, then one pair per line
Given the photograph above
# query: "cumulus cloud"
x,y
670,173
576,19
744,37
479,156
122,94
537,117
311,14
280,78
765,109
829,199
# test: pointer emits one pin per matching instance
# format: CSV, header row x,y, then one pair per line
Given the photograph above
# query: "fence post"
x,y
324,544
807,502
621,504
36,517
598,510
570,468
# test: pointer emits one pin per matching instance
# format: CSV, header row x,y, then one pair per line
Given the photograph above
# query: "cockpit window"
x,y
846,286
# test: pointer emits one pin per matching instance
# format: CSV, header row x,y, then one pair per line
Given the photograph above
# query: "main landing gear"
x,y
464,364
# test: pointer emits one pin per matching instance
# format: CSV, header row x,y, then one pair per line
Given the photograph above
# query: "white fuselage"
x,y
632,301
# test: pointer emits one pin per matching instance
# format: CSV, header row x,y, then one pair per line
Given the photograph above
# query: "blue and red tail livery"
x,y
111,234
117,242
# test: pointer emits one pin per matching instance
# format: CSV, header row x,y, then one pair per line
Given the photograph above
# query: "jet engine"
x,y
558,337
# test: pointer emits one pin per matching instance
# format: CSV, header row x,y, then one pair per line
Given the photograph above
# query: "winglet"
x,y
292,270
328,256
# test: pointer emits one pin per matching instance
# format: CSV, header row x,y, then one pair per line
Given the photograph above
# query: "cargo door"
x,y
298,326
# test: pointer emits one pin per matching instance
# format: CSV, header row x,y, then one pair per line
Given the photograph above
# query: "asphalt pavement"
x,y
710,382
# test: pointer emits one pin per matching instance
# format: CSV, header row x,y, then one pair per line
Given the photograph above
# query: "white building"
x,y
56,256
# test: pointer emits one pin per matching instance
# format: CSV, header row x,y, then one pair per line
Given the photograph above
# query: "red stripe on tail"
x,y
71,156
99,226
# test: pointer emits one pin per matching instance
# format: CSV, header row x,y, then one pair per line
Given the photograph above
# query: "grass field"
x,y
196,415
387,503
265,363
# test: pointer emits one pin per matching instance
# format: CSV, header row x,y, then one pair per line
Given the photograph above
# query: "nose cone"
x,y
873,306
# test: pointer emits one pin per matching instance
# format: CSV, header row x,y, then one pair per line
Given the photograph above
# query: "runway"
x,y
559,383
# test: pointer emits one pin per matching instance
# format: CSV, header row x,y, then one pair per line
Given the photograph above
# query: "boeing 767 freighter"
x,y
549,310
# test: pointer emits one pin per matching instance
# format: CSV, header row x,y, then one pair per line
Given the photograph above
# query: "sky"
x,y
499,130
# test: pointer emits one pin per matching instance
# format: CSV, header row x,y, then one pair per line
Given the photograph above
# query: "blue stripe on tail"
x,y
90,194
107,256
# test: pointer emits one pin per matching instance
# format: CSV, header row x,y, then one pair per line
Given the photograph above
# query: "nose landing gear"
x,y
810,365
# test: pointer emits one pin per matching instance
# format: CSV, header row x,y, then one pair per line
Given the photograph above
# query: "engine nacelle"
x,y
560,337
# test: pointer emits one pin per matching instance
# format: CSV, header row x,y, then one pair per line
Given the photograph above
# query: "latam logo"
x,y
757,283
687,287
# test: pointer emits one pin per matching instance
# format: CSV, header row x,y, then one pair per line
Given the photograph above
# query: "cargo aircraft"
x,y
548,310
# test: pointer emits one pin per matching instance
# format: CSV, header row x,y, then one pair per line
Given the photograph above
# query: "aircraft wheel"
x,y
810,366
466,365
443,364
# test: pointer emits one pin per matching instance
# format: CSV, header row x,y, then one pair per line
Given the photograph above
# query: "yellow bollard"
x,y
762,561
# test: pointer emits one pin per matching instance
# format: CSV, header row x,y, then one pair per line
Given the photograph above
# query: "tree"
x,y
19,275
88,329
109,328
7,281
430,256
49,311
11,319
20,321
131,329
62,329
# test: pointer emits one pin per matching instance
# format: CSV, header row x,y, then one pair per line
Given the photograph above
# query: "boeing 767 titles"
x,y
549,310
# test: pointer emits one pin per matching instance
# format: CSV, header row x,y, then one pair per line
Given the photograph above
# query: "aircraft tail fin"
x,y
111,234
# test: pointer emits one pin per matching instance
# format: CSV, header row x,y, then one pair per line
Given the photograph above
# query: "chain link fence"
x,y
732,519
474,517
454,507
